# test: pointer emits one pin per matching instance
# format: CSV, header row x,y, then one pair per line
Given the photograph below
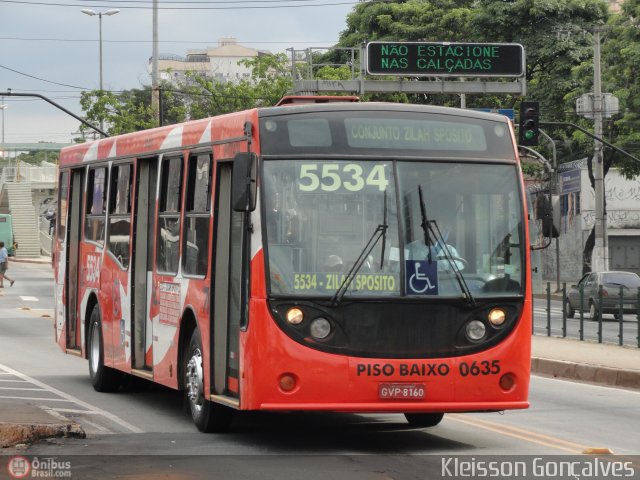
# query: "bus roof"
x,y
232,125
159,139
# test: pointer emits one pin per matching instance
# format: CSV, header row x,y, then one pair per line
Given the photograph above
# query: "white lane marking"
x,y
74,410
13,381
99,428
22,389
72,399
55,412
38,398
29,299
557,311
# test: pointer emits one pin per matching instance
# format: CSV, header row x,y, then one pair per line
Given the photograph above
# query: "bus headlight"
x,y
320,328
295,316
475,331
497,317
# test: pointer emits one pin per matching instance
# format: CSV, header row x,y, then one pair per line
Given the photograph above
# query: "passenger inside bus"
x,y
442,250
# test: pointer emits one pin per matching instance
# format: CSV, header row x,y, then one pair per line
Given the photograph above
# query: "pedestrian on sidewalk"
x,y
52,224
4,264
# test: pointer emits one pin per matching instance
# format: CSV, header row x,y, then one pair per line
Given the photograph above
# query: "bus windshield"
x,y
425,219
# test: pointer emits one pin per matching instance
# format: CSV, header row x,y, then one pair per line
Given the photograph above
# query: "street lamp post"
x,y
91,13
3,107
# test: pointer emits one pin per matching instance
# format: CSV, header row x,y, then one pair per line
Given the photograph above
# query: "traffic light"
x,y
529,130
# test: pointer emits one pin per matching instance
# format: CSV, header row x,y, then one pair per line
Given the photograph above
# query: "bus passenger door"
x,y
72,254
229,296
142,262
59,259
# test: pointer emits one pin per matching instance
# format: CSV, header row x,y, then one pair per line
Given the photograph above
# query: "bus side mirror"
x,y
551,216
243,182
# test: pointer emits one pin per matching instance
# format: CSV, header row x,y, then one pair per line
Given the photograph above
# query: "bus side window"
x,y
198,204
96,208
120,213
168,254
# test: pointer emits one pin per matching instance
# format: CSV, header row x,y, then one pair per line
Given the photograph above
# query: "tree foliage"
x,y
196,97
621,57
36,158
559,68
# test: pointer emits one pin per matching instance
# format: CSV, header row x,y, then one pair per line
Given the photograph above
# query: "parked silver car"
x,y
611,283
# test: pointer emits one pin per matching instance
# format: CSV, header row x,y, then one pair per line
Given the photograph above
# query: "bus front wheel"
x,y
103,378
207,416
423,420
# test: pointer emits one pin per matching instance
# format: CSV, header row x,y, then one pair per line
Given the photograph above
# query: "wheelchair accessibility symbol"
x,y
421,277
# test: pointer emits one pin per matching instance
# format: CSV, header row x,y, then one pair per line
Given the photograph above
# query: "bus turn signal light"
x,y
295,316
497,317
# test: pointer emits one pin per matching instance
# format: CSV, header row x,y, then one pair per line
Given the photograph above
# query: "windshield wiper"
x,y
430,227
378,233
425,224
384,234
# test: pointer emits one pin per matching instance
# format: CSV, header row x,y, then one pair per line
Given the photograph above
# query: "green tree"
x,y
620,55
196,97
409,20
37,157
121,113
551,33
536,24
620,60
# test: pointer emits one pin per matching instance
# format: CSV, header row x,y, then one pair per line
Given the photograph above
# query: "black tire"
x,y
103,378
424,420
593,311
569,310
209,417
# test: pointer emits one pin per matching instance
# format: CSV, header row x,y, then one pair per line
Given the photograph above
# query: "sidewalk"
x,y
585,361
40,259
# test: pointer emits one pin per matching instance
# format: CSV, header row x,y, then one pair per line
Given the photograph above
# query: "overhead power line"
x,y
42,79
93,40
213,2
248,7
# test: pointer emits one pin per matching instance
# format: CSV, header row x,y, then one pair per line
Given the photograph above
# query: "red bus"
x,y
334,256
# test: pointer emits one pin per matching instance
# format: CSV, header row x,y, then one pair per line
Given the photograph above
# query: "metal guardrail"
x,y
32,174
623,329
44,227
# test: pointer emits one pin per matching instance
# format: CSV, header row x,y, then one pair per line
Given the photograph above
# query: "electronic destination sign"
x,y
445,59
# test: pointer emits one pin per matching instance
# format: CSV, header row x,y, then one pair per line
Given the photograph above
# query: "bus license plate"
x,y
401,391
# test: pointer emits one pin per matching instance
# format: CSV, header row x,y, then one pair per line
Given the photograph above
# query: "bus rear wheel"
x,y
207,416
424,420
103,378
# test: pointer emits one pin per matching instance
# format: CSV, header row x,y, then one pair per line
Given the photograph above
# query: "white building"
x,y
578,217
220,63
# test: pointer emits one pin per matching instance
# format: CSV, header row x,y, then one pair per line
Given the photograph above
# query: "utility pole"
x,y
92,13
155,92
600,256
553,190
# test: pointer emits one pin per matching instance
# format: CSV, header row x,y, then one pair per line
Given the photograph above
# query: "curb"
x,y
12,434
614,377
44,261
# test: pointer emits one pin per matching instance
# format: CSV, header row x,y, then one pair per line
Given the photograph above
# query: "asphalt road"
x,y
153,437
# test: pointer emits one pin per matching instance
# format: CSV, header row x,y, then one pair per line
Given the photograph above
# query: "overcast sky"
x,y
59,45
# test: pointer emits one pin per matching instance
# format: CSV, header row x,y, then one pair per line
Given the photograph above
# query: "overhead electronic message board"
x,y
445,59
